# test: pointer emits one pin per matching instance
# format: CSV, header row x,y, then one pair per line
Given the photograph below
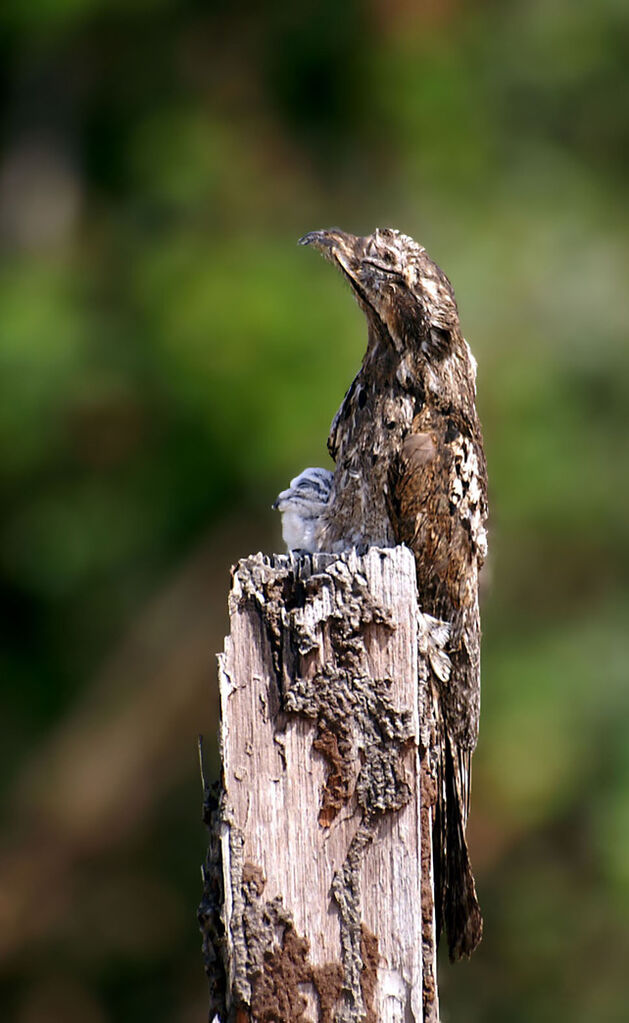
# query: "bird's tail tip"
x,y
464,922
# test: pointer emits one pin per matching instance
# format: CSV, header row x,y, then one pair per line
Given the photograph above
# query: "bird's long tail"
x,y
456,905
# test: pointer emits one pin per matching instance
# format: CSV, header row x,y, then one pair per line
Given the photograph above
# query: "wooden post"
x,y
318,904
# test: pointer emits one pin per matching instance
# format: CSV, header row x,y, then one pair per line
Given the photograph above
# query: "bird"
x,y
410,469
301,506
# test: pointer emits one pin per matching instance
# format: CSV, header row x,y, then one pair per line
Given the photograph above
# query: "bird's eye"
x,y
381,267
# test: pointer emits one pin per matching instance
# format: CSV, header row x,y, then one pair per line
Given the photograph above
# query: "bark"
x,y
318,897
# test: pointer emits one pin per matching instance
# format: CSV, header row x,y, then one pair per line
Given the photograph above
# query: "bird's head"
x,y
407,299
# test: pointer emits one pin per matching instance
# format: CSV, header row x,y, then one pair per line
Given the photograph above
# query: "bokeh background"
x,y
169,358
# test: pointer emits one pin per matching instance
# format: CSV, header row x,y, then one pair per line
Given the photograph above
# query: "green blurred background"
x,y
169,358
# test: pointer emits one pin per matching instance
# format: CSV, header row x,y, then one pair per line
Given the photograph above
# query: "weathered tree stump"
x,y
318,900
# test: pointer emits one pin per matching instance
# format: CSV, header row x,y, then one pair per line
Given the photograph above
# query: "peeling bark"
x,y
318,900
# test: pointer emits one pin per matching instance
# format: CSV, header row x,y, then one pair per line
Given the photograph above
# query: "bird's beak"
x,y
337,246
329,240
346,251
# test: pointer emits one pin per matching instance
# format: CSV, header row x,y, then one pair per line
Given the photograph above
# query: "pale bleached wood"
x,y
317,876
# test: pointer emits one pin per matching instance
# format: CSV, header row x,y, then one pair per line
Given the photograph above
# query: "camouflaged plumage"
x,y
410,468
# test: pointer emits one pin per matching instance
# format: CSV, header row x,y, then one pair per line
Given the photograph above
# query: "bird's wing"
x,y
430,507
411,476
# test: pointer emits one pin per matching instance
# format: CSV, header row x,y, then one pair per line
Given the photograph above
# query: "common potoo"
x,y
410,469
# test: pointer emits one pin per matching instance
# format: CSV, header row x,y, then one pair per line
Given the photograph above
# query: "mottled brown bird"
x,y
410,469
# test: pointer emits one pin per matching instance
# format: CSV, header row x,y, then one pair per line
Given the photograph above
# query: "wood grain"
x,y
318,871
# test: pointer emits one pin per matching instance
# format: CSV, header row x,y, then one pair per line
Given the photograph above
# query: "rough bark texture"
x,y
318,896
